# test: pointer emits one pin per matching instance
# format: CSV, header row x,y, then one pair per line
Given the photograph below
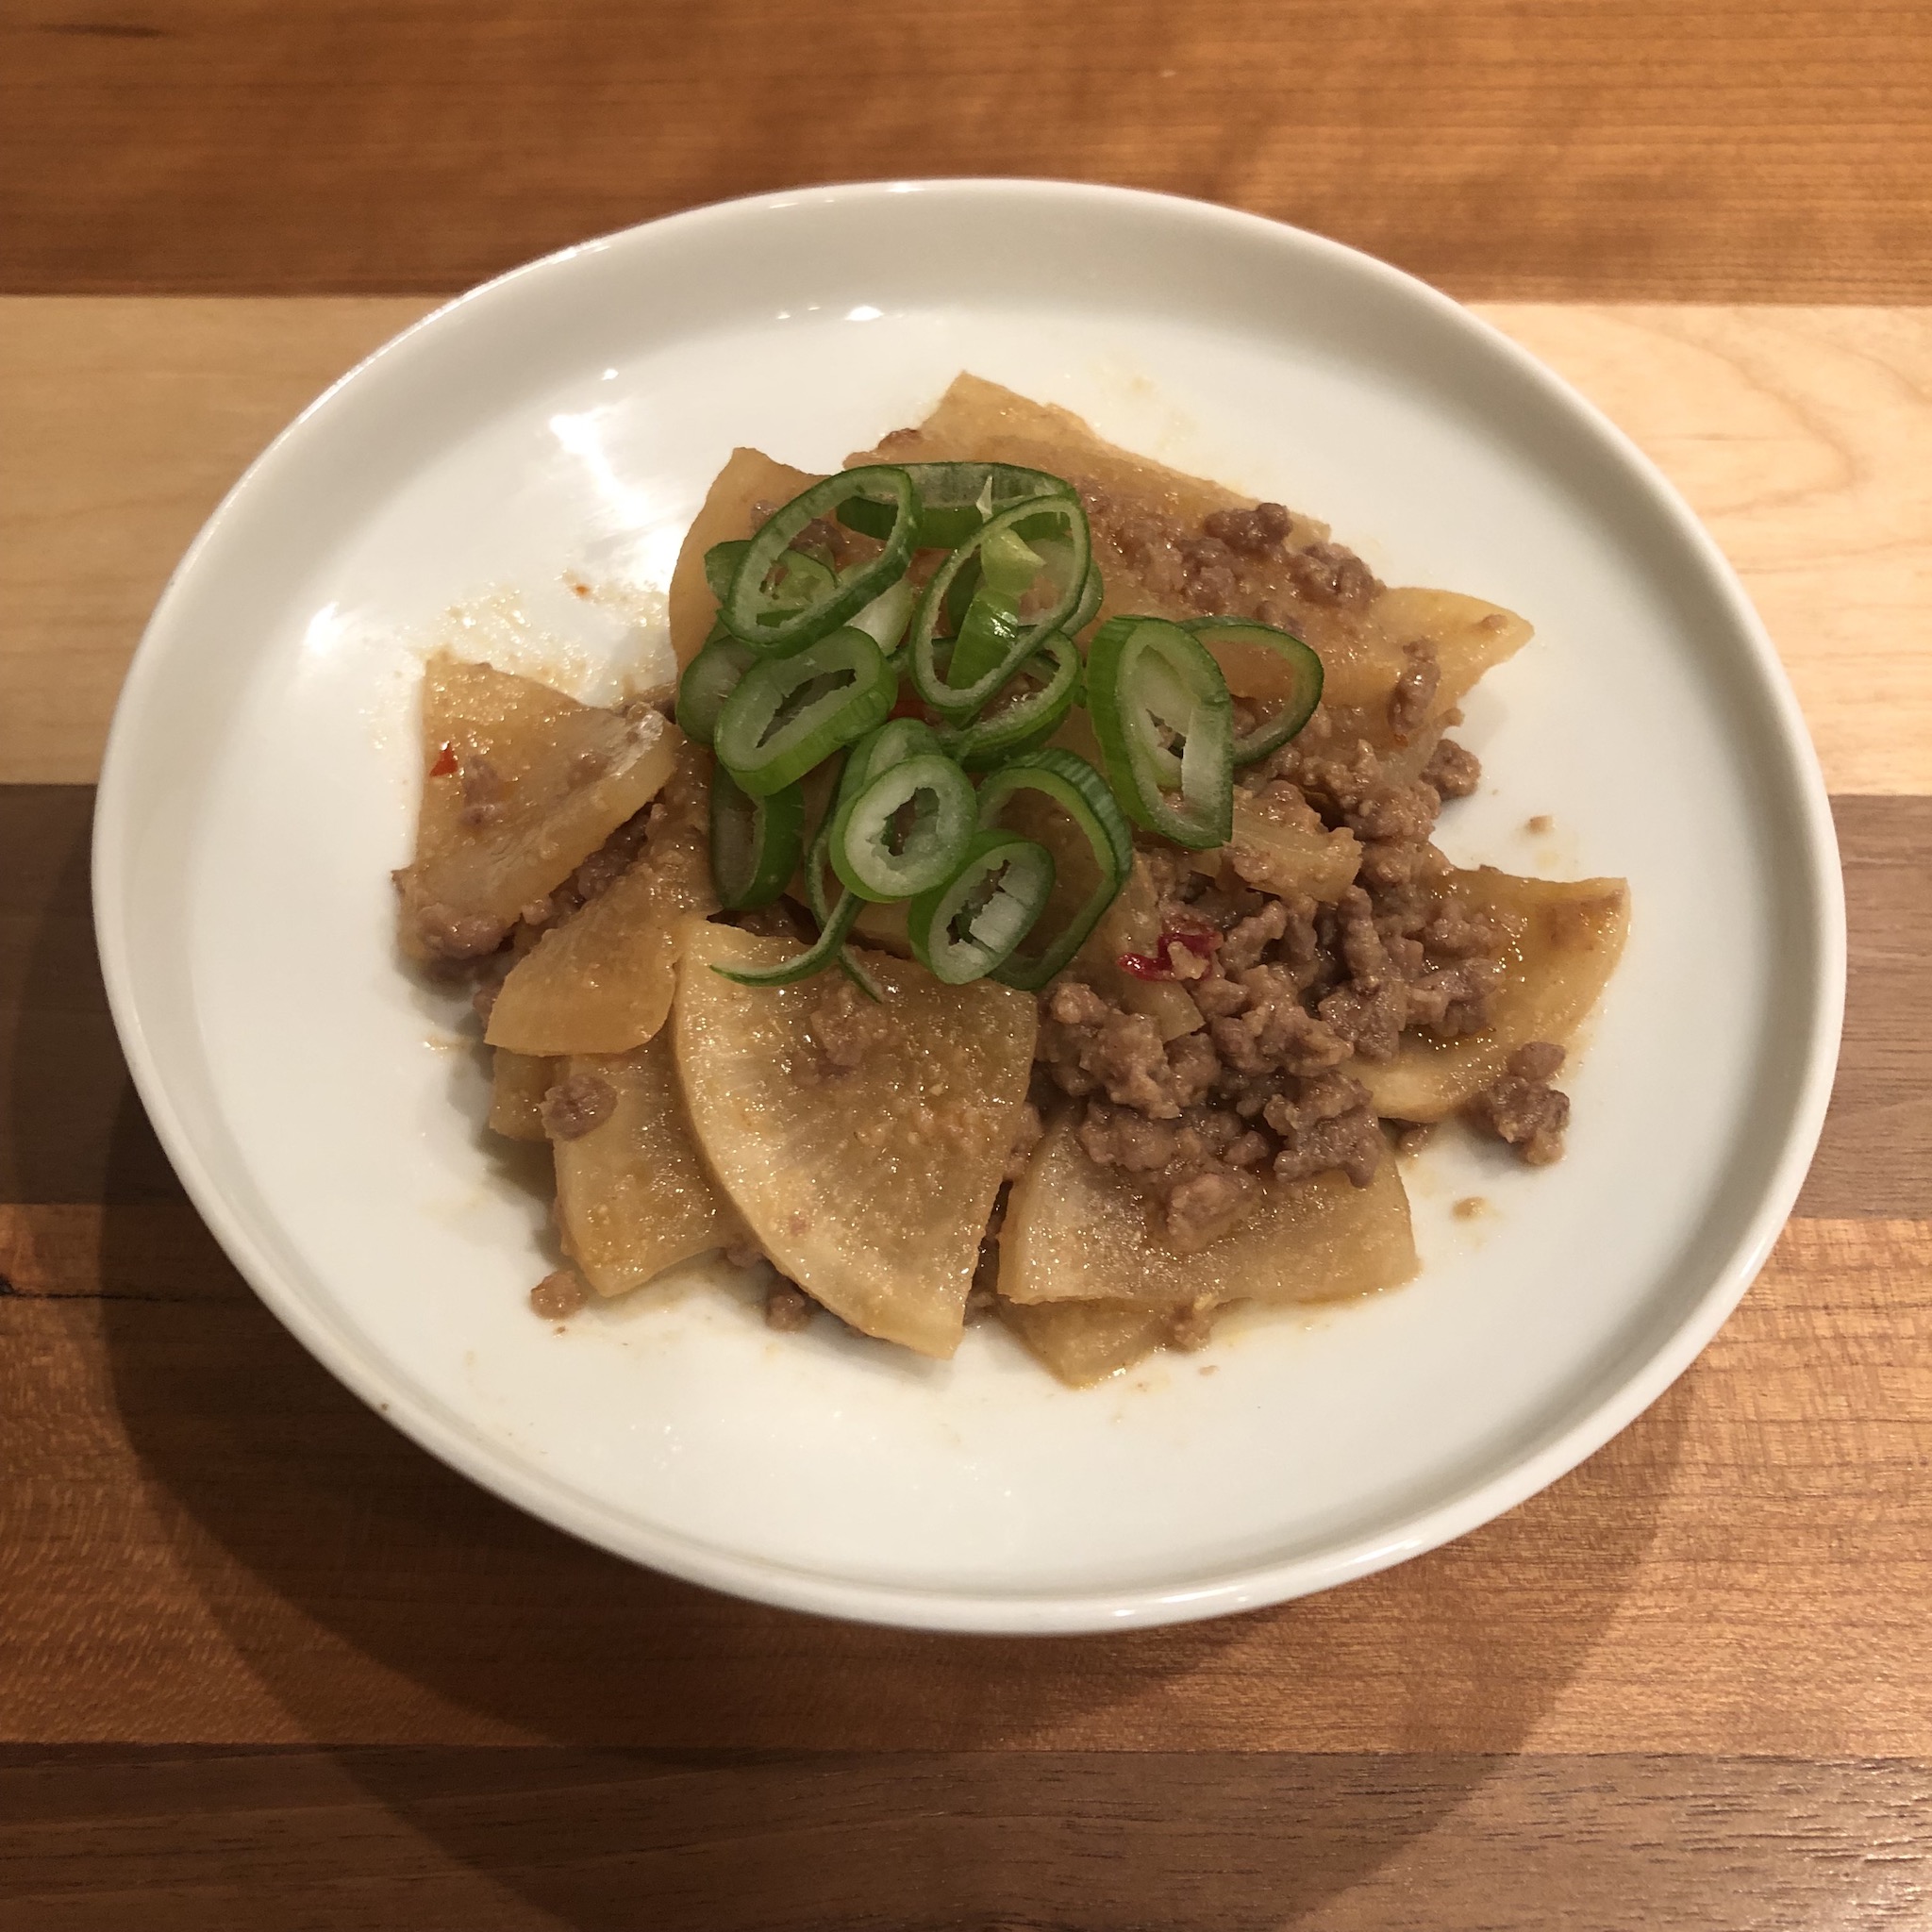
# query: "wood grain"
x,y
1598,149
1876,1155
1798,434
207,1540
605,1842
127,422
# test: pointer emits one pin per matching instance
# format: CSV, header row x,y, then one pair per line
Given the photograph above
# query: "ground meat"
x,y
611,859
1542,1060
1455,933
844,1023
1293,994
1452,772
1328,574
1192,1067
447,934
1193,1169
1089,1043
1410,702
1204,1206
1244,946
1208,568
560,1295
577,1105
788,1307
1330,1124
1370,1022
1119,1137
1255,532
1523,1109
1274,1031
744,1254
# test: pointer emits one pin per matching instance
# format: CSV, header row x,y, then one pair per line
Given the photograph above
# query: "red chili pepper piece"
x,y
445,762
1155,966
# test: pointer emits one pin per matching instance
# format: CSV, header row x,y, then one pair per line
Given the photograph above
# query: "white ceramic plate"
x,y
562,423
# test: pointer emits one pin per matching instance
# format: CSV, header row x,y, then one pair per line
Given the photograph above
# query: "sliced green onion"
x,y
881,855
987,636
959,596
1009,564
720,564
818,863
1009,640
829,948
1300,669
895,741
801,580
883,620
709,679
755,841
1148,682
1091,594
955,499
971,923
787,713
1027,720
824,951
1071,783
754,607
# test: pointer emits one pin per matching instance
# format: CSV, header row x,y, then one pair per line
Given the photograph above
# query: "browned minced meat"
x,y
560,1295
1523,1109
1233,563
612,858
1452,771
1257,532
1292,997
844,1023
746,1254
449,935
577,1105
594,876
1414,696
788,1306
1328,573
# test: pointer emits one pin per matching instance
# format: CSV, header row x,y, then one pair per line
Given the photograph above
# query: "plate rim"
x,y
510,1476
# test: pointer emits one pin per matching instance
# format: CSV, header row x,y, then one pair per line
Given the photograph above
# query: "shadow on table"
x,y
688,1759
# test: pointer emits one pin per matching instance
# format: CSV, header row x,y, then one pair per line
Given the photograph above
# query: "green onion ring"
x,y
765,748
748,606
1071,783
1144,674
1021,874
1305,666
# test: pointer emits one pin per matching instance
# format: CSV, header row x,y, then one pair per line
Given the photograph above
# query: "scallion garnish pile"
x,y
809,664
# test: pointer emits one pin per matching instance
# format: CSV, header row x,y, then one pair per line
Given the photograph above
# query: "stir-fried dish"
x,y
1023,904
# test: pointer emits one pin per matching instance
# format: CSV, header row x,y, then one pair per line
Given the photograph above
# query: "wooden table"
x,y
264,1665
